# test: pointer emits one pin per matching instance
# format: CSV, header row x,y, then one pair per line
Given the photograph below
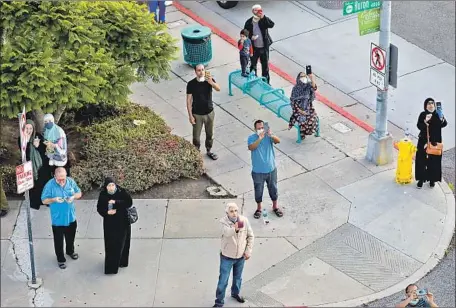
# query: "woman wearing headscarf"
x,y
112,206
429,167
303,112
56,143
35,152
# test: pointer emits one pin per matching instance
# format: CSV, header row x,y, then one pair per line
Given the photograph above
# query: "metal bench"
x,y
273,99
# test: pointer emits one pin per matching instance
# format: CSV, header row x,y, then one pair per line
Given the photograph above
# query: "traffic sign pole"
x,y
27,201
380,144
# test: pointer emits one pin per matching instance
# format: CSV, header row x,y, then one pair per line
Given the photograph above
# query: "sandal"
x,y
62,265
257,214
278,212
74,256
212,155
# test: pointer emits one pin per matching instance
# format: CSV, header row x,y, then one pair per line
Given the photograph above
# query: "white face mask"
x,y
304,80
201,79
260,131
414,302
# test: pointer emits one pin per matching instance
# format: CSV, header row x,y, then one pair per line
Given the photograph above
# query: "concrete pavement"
x,y
306,33
347,225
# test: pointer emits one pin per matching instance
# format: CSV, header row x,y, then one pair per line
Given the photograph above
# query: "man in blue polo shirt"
x,y
261,146
60,193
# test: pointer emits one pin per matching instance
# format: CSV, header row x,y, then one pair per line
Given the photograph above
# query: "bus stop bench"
x,y
273,99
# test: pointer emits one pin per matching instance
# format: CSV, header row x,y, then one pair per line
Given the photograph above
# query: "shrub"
x,y
138,156
8,175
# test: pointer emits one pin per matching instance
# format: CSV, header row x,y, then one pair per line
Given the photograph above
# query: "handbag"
x,y
433,149
132,214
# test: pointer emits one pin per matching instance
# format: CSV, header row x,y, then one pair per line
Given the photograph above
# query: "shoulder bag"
x,y
433,149
132,214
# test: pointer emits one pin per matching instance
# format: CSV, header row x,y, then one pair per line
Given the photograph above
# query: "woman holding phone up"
x,y
428,167
112,206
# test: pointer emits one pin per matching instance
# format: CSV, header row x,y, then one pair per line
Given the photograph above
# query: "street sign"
x,y
24,177
377,79
353,7
369,22
378,58
393,65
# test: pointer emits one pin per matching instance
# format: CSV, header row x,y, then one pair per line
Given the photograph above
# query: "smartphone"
x,y
308,70
266,127
421,292
240,224
438,105
110,206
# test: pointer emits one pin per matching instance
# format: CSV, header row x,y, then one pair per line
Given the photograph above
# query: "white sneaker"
x,y
168,3
51,162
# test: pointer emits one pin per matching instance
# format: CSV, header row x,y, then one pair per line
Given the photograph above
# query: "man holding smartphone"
x,y
417,298
200,107
261,146
60,193
258,26
236,248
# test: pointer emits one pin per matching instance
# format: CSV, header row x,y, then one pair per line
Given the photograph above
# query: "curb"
x,y
449,224
439,254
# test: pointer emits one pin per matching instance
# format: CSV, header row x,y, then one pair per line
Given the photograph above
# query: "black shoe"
x,y
217,305
419,185
62,265
73,256
245,75
3,213
431,184
239,298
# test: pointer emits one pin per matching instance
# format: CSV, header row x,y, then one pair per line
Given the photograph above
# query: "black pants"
x,y
117,248
263,55
60,233
244,63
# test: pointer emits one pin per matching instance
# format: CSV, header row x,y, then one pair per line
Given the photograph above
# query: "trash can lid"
x,y
195,32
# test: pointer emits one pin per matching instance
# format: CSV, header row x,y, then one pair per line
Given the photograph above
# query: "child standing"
x,y
245,51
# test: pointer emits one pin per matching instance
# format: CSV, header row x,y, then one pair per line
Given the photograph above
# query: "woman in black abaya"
x,y
112,206
429,167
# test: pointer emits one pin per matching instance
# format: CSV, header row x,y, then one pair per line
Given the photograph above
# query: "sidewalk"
x,y
347,225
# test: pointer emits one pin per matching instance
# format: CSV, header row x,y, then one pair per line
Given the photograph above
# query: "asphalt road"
x,y
428,24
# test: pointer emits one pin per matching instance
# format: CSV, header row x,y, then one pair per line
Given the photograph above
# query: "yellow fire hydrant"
x,y
405,160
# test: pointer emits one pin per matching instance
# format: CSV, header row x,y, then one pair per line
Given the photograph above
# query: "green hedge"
x,y
138,156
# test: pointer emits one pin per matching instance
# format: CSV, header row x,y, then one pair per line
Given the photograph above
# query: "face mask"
x,y
202,79
414,302
233,220
112,192
48,125
256,18
304,80
260,131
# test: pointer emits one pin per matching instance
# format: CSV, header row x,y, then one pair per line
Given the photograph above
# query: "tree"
x,y
65,54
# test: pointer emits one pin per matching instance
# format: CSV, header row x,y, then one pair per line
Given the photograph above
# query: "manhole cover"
x,y
176,24
342,128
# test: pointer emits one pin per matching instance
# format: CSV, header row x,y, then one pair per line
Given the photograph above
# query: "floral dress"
x,y
308,122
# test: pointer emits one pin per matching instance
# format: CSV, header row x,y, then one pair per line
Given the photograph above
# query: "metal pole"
x,y
29,220
381,122
380,144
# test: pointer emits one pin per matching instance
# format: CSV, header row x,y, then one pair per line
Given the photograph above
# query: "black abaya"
x,y
116,228
44,173
429,167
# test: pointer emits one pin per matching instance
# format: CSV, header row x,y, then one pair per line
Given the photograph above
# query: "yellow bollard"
x,y
405,160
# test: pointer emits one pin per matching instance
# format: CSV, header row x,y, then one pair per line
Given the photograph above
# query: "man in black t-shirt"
x,y
201,108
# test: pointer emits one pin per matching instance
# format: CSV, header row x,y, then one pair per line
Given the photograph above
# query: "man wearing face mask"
x,y
60,194
413,300
258,26
236,248
261,146
200,108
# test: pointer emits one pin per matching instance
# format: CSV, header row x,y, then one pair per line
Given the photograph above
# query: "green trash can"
x,y
197,45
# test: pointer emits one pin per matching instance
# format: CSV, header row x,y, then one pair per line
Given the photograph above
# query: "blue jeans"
x,y
226,264
271,182
153,5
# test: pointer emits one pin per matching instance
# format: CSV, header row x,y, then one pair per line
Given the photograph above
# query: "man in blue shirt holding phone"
x,y
60,193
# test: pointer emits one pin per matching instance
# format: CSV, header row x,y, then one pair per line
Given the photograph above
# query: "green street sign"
x,y
353,7
369,21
